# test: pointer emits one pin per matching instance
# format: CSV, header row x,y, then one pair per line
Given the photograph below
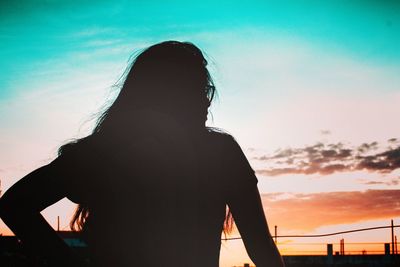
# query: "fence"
x,y
341,248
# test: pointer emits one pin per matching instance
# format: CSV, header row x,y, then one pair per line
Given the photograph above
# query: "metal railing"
x,y
367,247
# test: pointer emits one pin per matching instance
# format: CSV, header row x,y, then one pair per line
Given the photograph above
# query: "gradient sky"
x,y
310,89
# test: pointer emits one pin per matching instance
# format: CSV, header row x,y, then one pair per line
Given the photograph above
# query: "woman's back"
x,y
158,192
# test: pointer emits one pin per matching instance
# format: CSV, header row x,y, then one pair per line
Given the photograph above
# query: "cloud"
x,y
367,147
306,212
325,159
383,162
391,182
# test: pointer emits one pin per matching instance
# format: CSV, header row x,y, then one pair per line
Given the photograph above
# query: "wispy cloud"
x,y
306,212
95,32
391,182
325,159
325,132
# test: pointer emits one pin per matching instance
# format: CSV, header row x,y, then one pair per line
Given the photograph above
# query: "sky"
x,y
309,89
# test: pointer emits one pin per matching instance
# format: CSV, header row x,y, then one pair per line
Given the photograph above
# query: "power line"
x,y
323,235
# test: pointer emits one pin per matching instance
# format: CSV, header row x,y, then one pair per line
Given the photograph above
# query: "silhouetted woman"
x,y
152,181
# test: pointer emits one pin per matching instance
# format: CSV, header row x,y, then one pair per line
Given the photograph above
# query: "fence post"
x,y
387,248
387,253
329,248
342,246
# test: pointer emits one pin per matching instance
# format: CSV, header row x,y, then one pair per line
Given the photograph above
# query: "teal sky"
x,y
33,32
271,60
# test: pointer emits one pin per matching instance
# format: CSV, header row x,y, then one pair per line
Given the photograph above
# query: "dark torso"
x,y
155,201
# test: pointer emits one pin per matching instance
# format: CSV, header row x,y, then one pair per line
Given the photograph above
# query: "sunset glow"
x,y
310,90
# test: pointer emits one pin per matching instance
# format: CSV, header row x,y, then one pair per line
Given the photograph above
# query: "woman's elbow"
x,y
10,208
5,208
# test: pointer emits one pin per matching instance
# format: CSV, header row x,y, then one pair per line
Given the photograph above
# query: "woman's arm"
x,y
244,201
20,209
249,216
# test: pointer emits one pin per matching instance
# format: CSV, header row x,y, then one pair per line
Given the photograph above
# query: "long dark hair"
x,y
155,80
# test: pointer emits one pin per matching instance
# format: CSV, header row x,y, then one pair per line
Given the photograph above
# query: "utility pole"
x,y
392,228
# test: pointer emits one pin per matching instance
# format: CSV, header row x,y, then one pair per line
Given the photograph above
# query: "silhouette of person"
x,y
152,182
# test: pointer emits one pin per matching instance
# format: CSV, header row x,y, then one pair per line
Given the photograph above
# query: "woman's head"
x,y
170,77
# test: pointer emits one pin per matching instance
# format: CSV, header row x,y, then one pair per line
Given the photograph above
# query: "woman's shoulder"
x,y
80,163
240,172
219,135
78,148
222,138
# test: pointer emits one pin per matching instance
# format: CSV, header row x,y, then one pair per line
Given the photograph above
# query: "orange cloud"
x,y
306,212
